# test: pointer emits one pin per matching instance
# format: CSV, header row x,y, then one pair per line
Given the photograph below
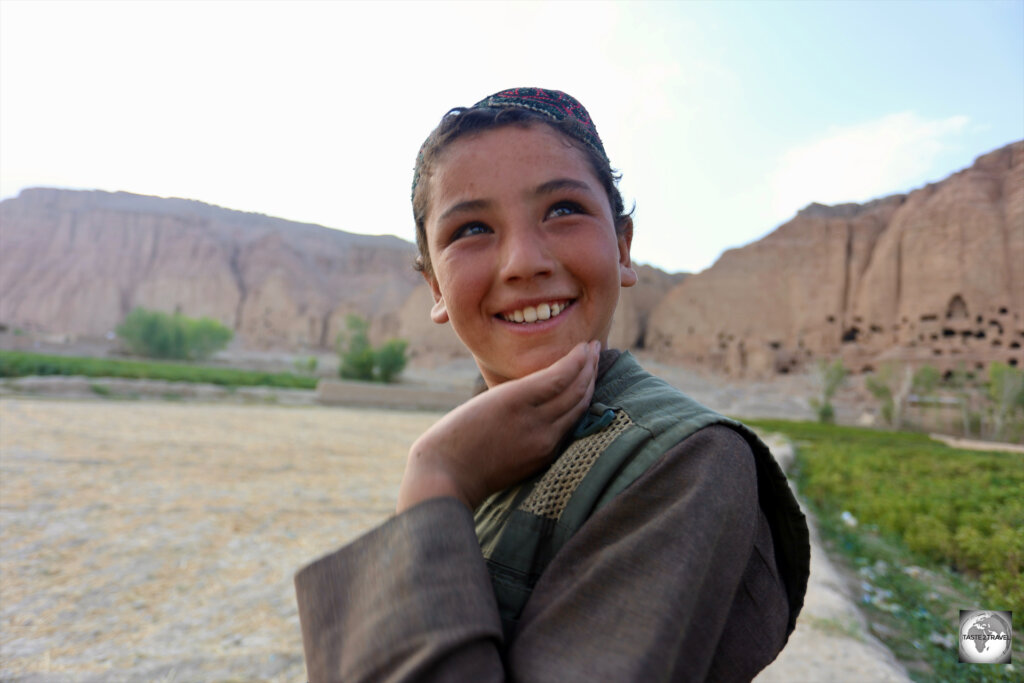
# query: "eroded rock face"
x,y
75,263
934,276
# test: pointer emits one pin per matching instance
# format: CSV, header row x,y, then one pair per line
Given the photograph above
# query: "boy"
x,y
580,520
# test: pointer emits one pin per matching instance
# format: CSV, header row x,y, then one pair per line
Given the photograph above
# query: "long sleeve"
x,y
410,600
673,580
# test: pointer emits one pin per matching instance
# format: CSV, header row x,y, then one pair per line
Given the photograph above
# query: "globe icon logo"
x,y
985,637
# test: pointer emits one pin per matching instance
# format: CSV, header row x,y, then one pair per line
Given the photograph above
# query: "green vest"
x,y
634,418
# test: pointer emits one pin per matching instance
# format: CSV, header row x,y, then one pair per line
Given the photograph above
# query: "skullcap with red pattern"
x,y
554,104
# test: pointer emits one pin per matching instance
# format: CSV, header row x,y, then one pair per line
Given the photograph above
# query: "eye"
x,y
565,208
468,230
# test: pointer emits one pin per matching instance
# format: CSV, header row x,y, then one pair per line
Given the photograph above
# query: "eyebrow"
x,y
466,207
551,186
559,184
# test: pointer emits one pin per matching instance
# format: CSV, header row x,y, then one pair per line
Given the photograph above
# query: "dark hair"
x,y
463,121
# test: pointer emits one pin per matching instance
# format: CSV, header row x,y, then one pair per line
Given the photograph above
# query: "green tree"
x,y
1006,390
960,383
926,380
360,361
204,337
162,335
890,386
832,377
354,350
390,359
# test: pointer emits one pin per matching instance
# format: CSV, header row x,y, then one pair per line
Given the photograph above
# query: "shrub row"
x,y
22,364
963,509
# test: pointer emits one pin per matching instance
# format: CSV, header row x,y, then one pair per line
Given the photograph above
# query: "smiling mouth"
x,y
538,313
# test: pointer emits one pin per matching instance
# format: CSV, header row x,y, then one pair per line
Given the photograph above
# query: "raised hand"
x,y
501,436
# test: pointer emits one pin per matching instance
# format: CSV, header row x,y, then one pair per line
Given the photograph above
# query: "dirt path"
x,y
157,541
975,445
831,641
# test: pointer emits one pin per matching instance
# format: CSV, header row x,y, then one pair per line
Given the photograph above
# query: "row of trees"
x,y
991,407
155,334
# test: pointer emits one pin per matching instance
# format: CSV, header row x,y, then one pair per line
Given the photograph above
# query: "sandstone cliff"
x,y
934,276
76,262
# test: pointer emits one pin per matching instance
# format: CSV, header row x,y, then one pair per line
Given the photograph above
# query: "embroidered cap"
x,y
554,104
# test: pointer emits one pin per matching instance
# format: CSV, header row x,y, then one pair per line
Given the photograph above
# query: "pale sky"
x,y
725,118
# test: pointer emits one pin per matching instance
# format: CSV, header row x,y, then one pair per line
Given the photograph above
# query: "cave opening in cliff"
x,y
851,335
957,308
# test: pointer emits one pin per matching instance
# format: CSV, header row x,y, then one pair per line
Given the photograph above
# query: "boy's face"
x,y
526,262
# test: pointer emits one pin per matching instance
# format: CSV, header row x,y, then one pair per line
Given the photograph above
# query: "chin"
x,y
525,364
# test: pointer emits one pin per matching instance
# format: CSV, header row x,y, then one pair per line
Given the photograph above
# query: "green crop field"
x,y
21,364
930,529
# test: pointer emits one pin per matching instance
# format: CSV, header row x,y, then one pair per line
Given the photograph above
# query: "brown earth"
x,y
157,541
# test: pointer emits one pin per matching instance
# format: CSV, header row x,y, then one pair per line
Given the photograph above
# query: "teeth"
x,y
532,314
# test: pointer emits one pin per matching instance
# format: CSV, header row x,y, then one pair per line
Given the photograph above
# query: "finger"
x,y
551,382
570,404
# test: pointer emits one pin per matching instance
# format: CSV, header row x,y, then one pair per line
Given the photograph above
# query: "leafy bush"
x,y
21,364
355,351
360,361
162,335
306,365
390,359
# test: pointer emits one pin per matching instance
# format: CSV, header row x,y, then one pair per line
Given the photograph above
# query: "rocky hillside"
x,y
933,276
75,263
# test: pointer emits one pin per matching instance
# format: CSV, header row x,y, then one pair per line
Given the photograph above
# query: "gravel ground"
x,y
157,541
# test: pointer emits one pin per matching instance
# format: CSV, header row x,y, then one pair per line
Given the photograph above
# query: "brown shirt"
x,y
674,580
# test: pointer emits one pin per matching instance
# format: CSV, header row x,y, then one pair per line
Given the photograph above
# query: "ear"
x,y
627,275
439,311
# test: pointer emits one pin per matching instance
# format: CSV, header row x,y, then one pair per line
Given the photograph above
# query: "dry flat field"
x,y
156,541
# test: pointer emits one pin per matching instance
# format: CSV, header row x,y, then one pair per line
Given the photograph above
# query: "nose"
x,y
525,255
